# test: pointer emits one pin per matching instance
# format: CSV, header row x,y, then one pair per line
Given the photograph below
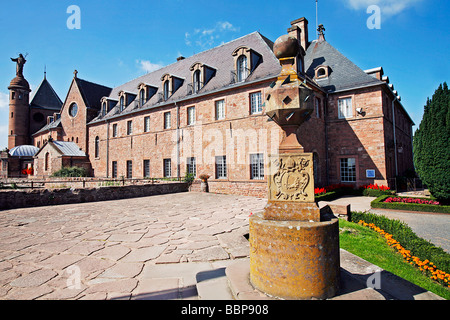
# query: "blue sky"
x,y
121,40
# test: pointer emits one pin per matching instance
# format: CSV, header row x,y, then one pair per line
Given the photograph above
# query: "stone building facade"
x,y
205,115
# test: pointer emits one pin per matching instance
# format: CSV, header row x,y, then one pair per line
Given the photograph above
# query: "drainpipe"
x,y
178,141
327,161
395,137
107,148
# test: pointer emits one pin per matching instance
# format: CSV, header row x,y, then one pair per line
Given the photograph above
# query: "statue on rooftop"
x,y
20,61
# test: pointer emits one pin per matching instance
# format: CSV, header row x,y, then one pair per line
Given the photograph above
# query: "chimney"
x,y
299,29
180,58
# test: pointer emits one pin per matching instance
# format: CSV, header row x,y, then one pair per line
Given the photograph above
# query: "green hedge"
x,y
401,232
379,203
377,193
70,172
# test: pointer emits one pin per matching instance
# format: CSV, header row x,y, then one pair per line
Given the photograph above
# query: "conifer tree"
x,y
431,144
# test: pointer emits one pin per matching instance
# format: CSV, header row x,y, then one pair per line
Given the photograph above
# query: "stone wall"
x,y
11,199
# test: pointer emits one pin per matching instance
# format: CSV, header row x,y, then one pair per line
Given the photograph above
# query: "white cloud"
x,y
147,66
4,100
206,37
388,7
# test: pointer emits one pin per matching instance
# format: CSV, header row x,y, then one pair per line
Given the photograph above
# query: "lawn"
x,y
370,246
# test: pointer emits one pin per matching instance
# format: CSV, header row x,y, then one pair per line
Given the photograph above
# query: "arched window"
x,y
46,161
122,103
166,90
97,147
242,68
197,83
142,97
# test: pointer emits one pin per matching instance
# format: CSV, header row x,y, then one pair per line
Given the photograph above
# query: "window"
x,y
220,109
167,120
345,108
114,130
46,161
146,124
122,103
141,97
190,116
191,167
348,169
197,84
255,103
167,168
242,68
104,104
129,169
114,169
73,110
97,147
166,90
146,168
257,166
129,127
317,107
221,167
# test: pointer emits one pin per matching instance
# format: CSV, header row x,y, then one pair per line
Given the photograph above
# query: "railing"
x,y
193,88
240,75
80,182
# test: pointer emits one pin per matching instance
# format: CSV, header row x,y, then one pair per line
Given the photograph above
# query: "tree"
x,y
431,144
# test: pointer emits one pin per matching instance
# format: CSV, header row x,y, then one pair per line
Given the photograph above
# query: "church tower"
x,y
19,107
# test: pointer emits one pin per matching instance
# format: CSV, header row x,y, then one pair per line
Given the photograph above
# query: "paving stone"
x,y
61,261
113,285
125,237
34,279
157,289
209,254
123,270
144,254
115,252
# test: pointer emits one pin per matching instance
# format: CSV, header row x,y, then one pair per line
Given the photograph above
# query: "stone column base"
x,y
294,259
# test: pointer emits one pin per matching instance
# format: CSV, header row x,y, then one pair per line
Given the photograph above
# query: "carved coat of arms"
x,y
291,178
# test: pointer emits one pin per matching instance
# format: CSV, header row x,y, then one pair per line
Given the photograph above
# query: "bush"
x,y
189,178
403,234
380,203
431,144
70,172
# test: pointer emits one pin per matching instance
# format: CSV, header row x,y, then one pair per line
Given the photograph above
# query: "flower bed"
x,y
426,266
409,204
374,190
332,192
412,200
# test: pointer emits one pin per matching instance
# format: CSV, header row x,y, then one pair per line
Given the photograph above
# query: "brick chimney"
x,y
299,29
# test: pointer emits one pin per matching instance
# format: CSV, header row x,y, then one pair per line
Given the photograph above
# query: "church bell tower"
x,y
19,107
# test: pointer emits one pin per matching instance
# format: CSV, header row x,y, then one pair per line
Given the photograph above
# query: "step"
x,y
213,285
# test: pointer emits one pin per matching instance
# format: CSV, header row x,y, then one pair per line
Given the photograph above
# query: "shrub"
x,y
70,172
189,178
431,144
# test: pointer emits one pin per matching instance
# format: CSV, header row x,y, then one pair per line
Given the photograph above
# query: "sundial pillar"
x,y
294,250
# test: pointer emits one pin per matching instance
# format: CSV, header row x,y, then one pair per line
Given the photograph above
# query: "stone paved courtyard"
x,y
135,248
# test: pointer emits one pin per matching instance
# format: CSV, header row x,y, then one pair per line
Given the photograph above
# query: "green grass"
x,y
370,246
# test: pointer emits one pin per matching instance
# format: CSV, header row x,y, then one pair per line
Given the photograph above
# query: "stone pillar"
x,y
294,250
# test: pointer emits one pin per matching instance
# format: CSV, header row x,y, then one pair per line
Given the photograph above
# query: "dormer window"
x,y
146,91
197,81
201,74
122,103
245,61
166,90
171,84
242,69
125,99
107,105
321,72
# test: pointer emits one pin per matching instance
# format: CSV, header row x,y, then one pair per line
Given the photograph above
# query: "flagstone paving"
x,y
107,250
